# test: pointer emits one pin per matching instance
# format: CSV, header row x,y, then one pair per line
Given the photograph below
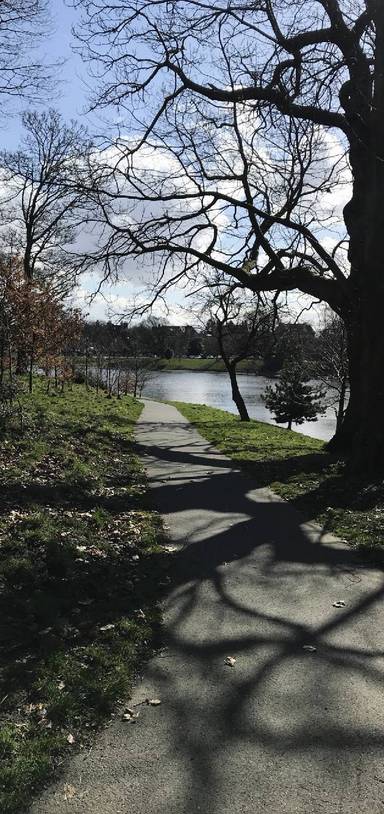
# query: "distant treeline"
x,y
156,339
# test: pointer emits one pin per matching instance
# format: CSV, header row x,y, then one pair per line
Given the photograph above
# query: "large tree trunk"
x,y
361,435
368,453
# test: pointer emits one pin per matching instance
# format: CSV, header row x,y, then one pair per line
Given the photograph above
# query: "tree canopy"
x,y
252,144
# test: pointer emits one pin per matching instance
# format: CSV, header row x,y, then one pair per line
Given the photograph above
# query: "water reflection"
x,y
214,389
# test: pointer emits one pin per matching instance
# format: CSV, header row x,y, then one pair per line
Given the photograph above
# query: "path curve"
x,y
285,730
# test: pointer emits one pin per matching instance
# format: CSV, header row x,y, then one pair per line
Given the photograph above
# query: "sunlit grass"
x,y
300,469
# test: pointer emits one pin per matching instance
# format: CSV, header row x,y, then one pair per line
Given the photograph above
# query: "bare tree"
x,y
140,371
331,365
42,202
242,115
23,24
240,325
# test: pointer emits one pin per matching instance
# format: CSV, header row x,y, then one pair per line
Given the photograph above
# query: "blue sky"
x,y
71,96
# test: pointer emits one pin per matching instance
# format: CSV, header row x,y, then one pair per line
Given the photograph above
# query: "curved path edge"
x,y
271,697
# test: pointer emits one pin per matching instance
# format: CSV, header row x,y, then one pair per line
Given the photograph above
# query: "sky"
x,y
71,97
71,100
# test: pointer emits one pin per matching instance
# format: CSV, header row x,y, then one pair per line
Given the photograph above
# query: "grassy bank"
x,y
299,469
80,568
208,365
180,363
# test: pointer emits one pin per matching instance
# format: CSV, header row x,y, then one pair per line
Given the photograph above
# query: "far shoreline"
x,y
195,364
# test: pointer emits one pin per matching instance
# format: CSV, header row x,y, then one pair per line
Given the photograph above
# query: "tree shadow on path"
x,y
287,728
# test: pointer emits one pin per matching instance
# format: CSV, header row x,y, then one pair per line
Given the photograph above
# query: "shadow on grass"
x,y
81,573
65,575
316,482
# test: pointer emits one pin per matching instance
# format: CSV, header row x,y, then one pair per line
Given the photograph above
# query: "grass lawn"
x,y
180,363
210,365
299,469
81,568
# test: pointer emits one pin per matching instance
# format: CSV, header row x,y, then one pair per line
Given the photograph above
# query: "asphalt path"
x,y
294,724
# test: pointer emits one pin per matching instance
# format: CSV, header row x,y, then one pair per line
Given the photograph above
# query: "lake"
x,y
214,390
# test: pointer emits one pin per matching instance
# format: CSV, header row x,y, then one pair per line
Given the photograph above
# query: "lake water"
x,y
214,390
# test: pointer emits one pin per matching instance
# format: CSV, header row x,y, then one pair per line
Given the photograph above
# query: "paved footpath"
x,y
285,729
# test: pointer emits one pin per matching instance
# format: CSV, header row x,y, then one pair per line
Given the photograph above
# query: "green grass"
x,y
210,365
81,567
183,363
300,470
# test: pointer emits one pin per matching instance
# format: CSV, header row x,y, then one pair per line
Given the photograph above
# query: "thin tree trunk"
x,y
31,371
341,405
10,364
86,367
236,395
2,353
231,368
118,382
98,373
346,429
21,362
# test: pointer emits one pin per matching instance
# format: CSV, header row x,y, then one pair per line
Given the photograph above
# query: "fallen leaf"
x,y
153,702
61,685
339,603
130,716
106,627
309,648
69,792
70,739
353,577
230,661
97,552
45,724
